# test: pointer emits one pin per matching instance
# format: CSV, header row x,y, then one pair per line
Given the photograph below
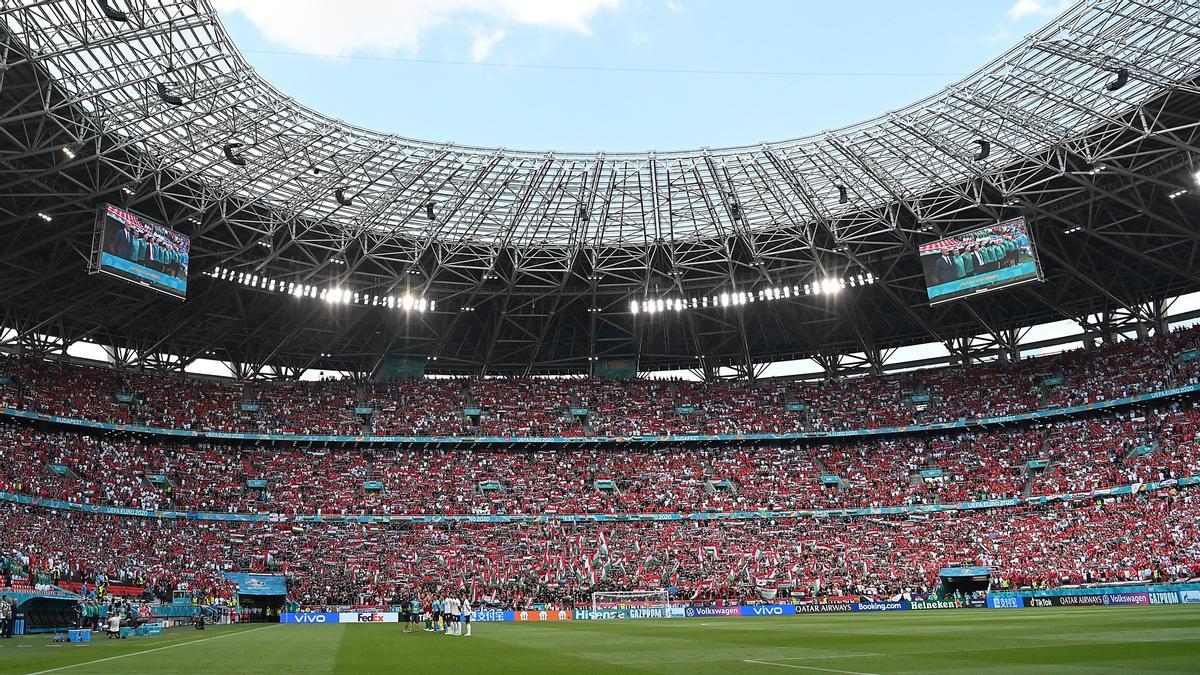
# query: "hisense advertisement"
x,y
979,261
142,252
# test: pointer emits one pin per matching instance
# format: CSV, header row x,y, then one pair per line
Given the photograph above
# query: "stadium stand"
x,y
517,407
358,563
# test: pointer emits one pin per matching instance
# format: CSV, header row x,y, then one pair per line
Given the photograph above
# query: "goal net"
x,y
656,599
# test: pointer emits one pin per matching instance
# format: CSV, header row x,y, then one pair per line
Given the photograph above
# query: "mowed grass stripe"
x,y
182,643
37,653
913,641
985,641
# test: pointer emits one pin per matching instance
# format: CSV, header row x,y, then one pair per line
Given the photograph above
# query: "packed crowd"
x,y
1079,454
1141,537
547,407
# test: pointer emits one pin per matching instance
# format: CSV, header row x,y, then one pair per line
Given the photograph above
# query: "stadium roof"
x,y
532,258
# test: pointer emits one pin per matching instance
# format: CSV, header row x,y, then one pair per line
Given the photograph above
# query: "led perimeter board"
x,y
982,260
140,251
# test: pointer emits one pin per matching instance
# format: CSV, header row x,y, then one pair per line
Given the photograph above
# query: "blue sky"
x,y
587,75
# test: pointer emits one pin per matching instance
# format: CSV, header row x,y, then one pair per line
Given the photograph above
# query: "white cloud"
x,y
388,26
484,41
639,37
1023,8
674,6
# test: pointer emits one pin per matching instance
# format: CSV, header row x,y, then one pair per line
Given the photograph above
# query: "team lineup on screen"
x,y
144,252
981,260
989,258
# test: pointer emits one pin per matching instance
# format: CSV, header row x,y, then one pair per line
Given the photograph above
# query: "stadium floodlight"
x,y
985,149
340,195
68,152
232,156
429,212
167,97
1121,81
1177,194
1196,177
112,13
44,216
843,196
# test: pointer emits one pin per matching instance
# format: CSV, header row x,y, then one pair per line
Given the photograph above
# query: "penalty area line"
x,y
147,651
800,667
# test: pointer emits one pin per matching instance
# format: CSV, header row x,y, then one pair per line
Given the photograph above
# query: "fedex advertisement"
x,y
368,617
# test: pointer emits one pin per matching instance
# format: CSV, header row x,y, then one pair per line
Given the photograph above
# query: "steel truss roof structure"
x,y
1089,127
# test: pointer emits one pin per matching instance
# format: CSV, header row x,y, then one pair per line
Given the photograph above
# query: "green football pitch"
x,y
1054,640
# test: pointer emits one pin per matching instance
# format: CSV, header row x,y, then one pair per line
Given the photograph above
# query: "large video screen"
x,y
143,252
979,261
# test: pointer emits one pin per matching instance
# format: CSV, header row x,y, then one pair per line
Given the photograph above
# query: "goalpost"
x,y
657,598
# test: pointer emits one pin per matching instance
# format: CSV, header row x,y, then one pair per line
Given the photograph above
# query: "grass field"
x,y
1056,640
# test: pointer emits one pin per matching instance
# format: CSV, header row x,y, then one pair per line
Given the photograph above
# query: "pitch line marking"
x,y
827,656
147,651
793,665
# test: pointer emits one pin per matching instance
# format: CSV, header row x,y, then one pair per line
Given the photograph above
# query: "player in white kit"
x,y
465,610
451,609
